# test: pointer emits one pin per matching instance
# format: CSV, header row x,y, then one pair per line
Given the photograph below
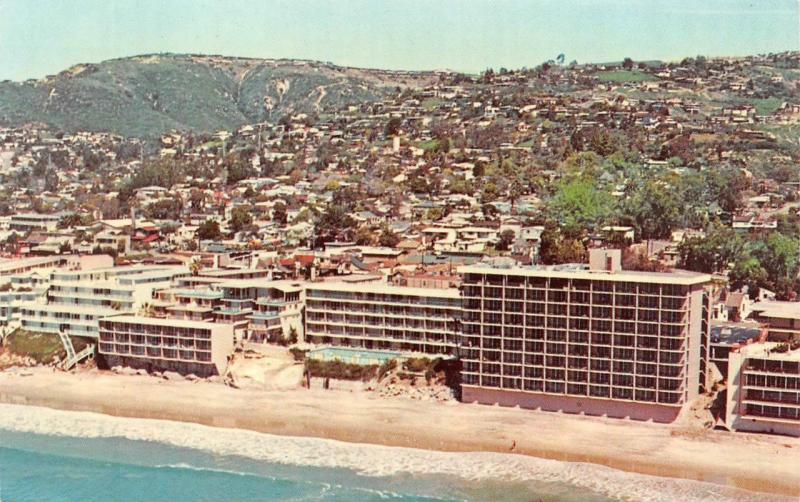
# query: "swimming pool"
x,y
353,356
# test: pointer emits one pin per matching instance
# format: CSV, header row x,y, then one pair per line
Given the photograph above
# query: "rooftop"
x,y
778,309
383,288
731,334
582,271
766,350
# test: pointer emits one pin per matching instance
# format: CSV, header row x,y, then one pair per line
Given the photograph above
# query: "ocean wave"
x,y
366,460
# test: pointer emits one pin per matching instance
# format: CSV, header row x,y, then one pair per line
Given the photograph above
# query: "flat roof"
x,y
680,277
384,288
763,351
779,309
731,334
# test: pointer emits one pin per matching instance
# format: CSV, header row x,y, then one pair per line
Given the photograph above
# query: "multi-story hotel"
x,y
376,315
178,345
75,300
764,388
260,310
594,340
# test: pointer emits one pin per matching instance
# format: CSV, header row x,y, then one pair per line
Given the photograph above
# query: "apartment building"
x,y
376,315
11,303
764,388
157,344
72,320
76,300
273,309
32,221
578,339
260,310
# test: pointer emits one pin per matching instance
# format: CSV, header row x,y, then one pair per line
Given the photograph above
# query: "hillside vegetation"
x,y
144,96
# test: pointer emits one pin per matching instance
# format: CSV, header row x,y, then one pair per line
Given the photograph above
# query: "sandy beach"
x,y
753,462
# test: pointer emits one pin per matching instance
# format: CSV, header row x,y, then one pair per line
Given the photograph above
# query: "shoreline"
x,y
752,462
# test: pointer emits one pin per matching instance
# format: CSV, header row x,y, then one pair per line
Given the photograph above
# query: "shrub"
x,y
386,368
340,370
298,354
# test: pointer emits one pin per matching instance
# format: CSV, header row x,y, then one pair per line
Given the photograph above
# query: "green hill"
x,y
143,96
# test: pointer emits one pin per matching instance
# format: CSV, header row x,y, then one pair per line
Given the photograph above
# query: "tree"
x,y
392,127
364,236
333,224
388,238
712,253
726,187
239,170
579,204
628,63
279,214
240,218
747,271
654,209
195,267
164,209
506,239
778,256
208,231
555,248
197,199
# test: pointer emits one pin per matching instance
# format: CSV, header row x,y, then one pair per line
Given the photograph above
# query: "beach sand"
x,y
749,461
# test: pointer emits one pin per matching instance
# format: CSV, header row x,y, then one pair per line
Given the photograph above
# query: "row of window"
x,y
578,389
517,281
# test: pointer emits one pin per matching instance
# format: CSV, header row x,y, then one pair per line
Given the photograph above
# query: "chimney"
x,y
605,260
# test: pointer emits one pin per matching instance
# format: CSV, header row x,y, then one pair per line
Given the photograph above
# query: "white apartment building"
x,y
764,388
32,221
158,344
75,300
380,316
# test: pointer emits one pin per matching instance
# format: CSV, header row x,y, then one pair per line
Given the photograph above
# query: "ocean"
x,y
52,455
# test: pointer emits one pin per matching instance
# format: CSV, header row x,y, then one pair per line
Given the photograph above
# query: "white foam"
x,y
367,460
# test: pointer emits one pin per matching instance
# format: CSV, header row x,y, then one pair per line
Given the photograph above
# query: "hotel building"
x,y
260,310
159,344
75,300
577,339
376,315
764,389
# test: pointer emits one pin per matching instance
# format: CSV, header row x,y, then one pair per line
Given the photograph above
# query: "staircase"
x,y
76,358
73,358
67,344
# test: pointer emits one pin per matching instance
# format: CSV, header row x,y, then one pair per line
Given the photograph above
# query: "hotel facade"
x,y
764,389
151,343
595,340
376,315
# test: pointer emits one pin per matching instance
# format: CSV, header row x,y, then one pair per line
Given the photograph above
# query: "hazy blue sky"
x,y
39,37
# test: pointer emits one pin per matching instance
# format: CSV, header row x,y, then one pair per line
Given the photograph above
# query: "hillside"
x,y
143,96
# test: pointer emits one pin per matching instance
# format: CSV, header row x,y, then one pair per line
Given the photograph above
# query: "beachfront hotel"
x,y
764,375
76,300
764,389
577,339
158,344
376,315
260,310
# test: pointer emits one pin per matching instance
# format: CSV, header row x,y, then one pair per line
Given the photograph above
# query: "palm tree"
x,y
195,267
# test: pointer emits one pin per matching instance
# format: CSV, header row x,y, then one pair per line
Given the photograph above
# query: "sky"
x,y
41,37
